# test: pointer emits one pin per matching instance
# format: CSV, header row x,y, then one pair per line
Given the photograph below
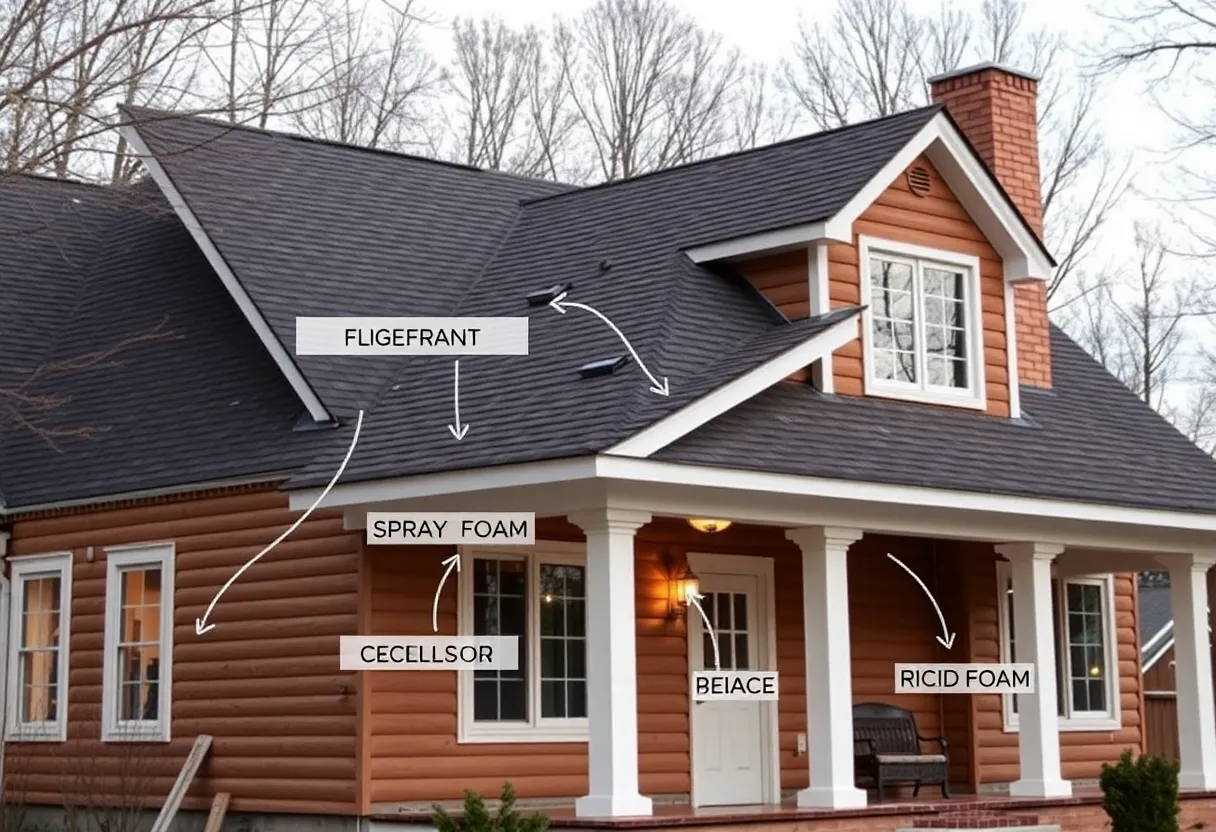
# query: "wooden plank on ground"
x,y
219,808
184,778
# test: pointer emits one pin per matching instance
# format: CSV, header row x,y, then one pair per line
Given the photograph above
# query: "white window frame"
x,y
537,728
25,568
975,395
118,559
1108,720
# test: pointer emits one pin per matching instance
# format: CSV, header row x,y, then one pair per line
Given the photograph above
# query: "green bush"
x,y
476,818
1141,795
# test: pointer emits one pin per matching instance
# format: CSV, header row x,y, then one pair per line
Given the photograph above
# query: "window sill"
x,y
524,733
27,735
879,391
133,735
1075,726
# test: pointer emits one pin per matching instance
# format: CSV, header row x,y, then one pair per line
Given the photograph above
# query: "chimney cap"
x,y
974,68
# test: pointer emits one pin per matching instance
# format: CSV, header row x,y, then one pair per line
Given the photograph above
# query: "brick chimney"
x,y
996,109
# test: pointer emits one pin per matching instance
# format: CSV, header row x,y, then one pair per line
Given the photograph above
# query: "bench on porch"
x,y
887,749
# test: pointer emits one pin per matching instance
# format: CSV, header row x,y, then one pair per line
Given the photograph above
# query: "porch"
x,y
1079,812
836,602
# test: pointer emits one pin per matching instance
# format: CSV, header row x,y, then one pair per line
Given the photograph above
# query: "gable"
x,y
935,220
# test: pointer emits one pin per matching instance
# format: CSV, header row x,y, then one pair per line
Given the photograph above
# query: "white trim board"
x,y
974,187
287,365
732,394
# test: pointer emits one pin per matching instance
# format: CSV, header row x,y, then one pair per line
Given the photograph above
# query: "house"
x,y
812,360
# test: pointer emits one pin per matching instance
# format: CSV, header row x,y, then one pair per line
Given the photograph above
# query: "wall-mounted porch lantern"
x,y
709,525
681,583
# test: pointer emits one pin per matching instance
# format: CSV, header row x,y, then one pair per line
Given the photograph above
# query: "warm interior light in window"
x,y
548,597
1094,670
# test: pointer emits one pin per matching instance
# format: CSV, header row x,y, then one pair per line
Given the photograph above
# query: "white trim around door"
x,y
761,568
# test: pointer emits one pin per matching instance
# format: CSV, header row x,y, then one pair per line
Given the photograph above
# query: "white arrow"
x,y
657,386
450,563
695,599
458,430
947,637
200,624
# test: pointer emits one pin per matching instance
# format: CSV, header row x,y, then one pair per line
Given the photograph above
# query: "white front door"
x,y
730,739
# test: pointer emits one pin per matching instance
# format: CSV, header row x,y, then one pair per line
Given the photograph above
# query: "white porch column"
x,y
1193,669
829,676
1034,634
612,673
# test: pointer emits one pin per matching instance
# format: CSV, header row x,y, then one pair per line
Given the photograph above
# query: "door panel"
x,y
729,736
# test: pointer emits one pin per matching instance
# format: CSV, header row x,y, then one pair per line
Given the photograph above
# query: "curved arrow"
x,y
947,638
657,386
449,562
695,600
200,624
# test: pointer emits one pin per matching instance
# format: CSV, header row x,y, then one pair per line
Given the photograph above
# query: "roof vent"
x,y
543,297
603,366
920,182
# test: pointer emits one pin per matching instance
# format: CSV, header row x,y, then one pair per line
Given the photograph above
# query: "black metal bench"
x,y
887,749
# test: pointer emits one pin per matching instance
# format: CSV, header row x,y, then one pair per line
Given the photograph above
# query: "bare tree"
x,y
1136,324
64,65
759,113
873,58
493,68
649,87
375,81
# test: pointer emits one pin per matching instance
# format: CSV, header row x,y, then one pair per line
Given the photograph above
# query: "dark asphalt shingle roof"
x,y
204,404
1086,439
314,228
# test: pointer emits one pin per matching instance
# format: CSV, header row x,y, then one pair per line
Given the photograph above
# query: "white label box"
x,y
429,653
411,336
985,677
734,685
420,528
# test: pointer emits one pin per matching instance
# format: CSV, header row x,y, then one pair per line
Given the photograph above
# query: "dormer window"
x,y
922,324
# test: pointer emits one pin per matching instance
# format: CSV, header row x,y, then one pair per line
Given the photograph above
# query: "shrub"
x,y
1141,795
476,818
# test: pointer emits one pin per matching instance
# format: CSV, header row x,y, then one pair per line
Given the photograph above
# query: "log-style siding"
x,y
410,720
1081,752
783,279
264,683
939,221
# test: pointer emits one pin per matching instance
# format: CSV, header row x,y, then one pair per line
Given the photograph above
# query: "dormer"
x,y
943,249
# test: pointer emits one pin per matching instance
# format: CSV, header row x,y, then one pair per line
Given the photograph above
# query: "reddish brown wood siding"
x,y
414,756
783,279
939,221
1082,752
264,683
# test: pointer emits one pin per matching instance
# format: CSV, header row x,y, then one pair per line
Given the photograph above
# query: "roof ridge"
x,y
169,115
58,180
734,154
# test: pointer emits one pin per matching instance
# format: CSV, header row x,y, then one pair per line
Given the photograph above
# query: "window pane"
x,y
38,650
138,643
500,608
893,320
1086,647
563,647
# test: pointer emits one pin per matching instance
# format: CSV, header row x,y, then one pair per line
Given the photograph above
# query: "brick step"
x,y
980,819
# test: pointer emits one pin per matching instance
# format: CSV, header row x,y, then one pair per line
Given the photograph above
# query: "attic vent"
x,y
542,297
603,366
919,181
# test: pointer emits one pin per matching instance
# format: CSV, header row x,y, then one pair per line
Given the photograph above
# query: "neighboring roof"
x,y
1156,618
205,404
1086,439
317,228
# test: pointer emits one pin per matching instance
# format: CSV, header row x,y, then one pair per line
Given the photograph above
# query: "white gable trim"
x,y
769,241
733,393
979,194
287,366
